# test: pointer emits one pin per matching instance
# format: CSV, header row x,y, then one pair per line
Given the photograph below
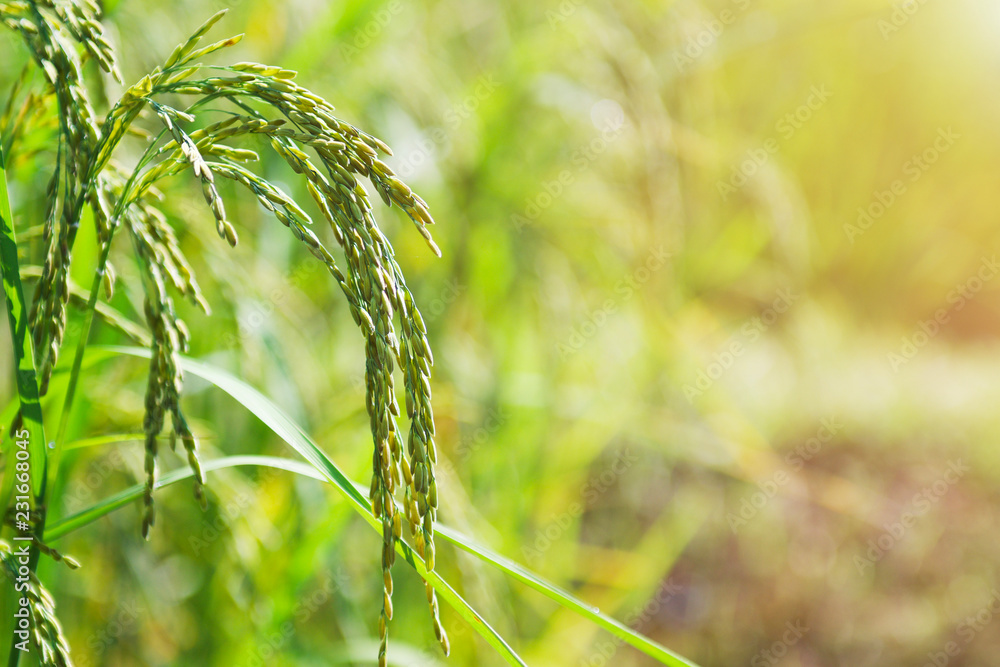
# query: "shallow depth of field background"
x,y
677,371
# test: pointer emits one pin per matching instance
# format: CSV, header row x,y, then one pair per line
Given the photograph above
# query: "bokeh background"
x,y
715,334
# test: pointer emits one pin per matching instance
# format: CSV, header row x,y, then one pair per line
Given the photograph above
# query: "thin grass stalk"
x,y
88,320
91,306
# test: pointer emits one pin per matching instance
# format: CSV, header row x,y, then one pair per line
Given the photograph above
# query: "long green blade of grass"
x,y
567,600
559,595
110,315
121,499
24,357
288,431
99,440
285,428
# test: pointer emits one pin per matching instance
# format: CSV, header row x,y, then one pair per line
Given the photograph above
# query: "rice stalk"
x,y
46,635
330,155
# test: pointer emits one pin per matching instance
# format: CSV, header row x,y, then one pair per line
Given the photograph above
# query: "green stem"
x,y
120,207
81,346
26,377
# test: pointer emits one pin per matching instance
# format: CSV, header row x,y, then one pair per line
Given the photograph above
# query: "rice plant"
x,y
187,118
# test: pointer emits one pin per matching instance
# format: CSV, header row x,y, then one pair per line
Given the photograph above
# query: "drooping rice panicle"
x,y
46,635
330,155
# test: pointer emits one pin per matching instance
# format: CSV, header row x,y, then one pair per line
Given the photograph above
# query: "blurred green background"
x,y
715,339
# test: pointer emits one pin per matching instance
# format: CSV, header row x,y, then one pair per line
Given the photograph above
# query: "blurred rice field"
x,y
716,335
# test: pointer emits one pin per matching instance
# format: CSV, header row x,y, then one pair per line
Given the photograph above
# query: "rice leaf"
x,y
24,357
287,430
324,469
